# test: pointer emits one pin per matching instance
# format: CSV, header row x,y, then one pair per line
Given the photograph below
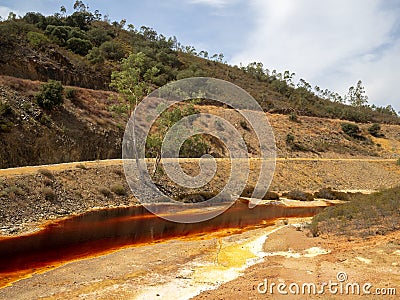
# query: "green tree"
x,y
135,79
357,96
112,50
79,46
50,95
195,146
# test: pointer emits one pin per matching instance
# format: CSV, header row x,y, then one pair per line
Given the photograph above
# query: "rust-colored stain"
x,y
103,231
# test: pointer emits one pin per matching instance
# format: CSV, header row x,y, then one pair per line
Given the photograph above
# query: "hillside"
x,y
85,128
82,49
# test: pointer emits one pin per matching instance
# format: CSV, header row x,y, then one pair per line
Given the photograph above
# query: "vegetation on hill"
x,y
364,215
83,49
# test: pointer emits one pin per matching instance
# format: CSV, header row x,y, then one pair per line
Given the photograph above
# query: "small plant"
x,y
106,192
6,127
70,93
81,166
351,130
374,130
293,117
79,46
290,139
37,39
50,95
244,125
398,162
299,195
5,109
47,173
49,194
118,189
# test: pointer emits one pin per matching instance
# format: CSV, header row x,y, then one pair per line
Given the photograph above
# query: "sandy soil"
x,y
295,258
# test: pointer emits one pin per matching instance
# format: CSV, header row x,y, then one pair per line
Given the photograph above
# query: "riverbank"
x,y
35,195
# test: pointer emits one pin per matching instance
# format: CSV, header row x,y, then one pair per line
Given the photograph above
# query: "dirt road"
x,y
117,162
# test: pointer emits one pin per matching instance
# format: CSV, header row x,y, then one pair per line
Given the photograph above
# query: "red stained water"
x,y
103,231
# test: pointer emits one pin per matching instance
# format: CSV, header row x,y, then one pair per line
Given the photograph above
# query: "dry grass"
x,y
365,215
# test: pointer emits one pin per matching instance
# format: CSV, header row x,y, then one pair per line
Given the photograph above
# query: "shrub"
x,y
398,162
50,95
33,18
59,34
299,195
98,36
351,130
6,127
375,129
244,125
5,109
329,194
293,117
248,192
79,46
106,192
81,166
95,56
118,189
290,138
37,39
49,194
112,50
365,215
47,173
70,93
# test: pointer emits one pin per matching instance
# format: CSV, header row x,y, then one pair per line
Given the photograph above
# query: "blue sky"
x,y
330,43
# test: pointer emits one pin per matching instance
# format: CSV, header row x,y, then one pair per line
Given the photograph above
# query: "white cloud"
x,y
4,11
214,3
332,43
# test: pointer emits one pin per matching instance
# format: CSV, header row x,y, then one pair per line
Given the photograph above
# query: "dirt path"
x,y
29,170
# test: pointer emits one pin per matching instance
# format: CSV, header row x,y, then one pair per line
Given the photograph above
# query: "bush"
x,y
118,189
106,192
244,125
33,18
351,130
5,109
37,39
98,36
248,192
365,215
95,56
47,173
374,130
79,46
293,117
49,194
6,127
50,95
299,195
70,93
398,162
290,139
82,167
329,194
59,34
112,50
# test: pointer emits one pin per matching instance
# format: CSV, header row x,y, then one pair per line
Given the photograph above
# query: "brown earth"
x,y
375,261
88,128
